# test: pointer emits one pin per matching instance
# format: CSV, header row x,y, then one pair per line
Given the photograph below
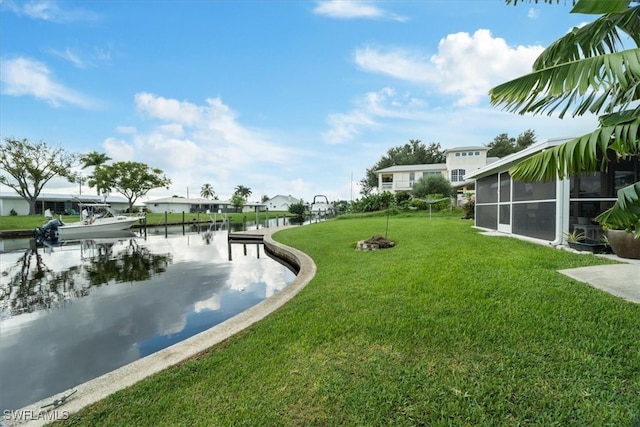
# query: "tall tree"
x,y
503,145
30,166
587,70
94,159
412,153
207,191
131,179
243,192
91,159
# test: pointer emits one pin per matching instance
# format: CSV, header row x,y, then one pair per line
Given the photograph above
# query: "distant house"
x,y
459,162
57,203
281,203
546,211
194,205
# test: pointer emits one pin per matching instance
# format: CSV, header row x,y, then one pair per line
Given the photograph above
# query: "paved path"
x,y
622,280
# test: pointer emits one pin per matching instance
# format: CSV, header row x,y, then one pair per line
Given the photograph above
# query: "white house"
x,y
57,203
546,211
193,205
458,162
281,203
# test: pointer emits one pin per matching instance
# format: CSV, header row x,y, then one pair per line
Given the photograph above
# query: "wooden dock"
x,y
245,237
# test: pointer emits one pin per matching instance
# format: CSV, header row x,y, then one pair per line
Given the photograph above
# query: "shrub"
x,y
469,207
13,212
432,184
297,209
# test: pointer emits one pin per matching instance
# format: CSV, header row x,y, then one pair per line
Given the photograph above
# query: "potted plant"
x,y
578,241
622,227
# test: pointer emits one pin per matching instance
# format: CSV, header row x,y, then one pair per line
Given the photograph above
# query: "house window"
x,y
477,153
464,154
457,154
457,175
487,189
535,219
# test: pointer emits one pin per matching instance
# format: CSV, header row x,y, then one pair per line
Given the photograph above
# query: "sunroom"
x,y
547,211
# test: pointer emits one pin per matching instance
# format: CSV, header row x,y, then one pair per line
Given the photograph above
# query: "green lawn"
x,y
30,222
450,327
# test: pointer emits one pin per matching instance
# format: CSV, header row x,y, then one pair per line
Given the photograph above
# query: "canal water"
x,y
73,311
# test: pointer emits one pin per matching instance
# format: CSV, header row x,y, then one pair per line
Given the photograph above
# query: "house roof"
x,y
513,159
195,201
469,148
414,168
281,196
185,201
66,197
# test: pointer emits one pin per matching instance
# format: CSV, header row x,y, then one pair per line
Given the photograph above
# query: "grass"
x,y
30,222
448,328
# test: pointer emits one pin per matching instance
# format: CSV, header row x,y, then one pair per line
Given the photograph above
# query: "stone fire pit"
x,y
374,243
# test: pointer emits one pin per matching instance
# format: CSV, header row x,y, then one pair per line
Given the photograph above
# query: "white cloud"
x,y
119,150
345,127
48,10
465,67
370,109
396,62
22,76
197,143
126,129
533,13
468,66
351,9
70,56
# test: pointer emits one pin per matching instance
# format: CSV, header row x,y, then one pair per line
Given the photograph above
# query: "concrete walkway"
x,y
622,280
72,400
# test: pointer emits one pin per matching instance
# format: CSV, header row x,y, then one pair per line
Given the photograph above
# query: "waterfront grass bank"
x,y
449,327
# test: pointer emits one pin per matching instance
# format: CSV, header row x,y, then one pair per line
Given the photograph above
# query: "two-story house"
x,y
458,162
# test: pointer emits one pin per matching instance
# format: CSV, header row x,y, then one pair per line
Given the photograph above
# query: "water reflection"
x,y
44,277
72,312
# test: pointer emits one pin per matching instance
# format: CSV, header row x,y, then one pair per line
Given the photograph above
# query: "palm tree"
x,y
587,70
243,192
207,191
96,160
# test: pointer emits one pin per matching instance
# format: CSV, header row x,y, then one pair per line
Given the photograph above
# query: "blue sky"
x,y
283,97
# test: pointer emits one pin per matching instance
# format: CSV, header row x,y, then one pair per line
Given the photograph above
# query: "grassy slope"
x,y
448,328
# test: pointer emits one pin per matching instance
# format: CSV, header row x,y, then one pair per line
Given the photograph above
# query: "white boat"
x,y
321,206
96,219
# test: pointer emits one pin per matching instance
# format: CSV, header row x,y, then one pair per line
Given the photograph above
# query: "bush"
x,y
13,212
419,204
469,207
442,204
432,184
297,209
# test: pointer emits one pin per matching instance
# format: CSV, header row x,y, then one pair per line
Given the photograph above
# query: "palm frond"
x,y
599,37
573,83
587,153
599,7
625,214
